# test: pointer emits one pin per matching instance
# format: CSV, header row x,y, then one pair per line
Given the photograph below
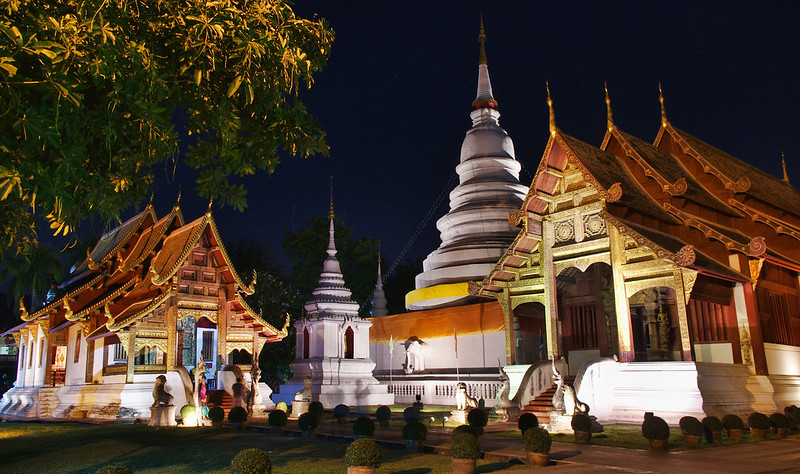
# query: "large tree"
x,y
88,90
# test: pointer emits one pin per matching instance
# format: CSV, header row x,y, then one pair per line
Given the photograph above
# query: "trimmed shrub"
x,y
537,440
114,470
316,409
732,422
796,417
383,414
655,427
216,413
466,429
465,446
307,422
415,431
237,415
581,422
712,423
363,452
780,420
691,426
363,426
251,461
278,418
527,420
341,411
282,406
187,411
759,421
411,414
478,418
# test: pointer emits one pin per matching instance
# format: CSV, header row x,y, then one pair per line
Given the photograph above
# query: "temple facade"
x,y
152,298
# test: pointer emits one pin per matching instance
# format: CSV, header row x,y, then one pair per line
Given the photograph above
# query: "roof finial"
x,y
331,213
482,40
210,202
783,162
178,199
609,116
663,110
552,114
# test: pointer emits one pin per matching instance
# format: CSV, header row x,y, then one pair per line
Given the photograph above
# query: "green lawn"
x,y
73,447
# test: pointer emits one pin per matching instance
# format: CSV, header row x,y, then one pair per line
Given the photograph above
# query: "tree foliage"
x,y
88,90
306,251
32,273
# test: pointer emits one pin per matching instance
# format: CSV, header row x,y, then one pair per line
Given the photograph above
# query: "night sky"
x,y
395,99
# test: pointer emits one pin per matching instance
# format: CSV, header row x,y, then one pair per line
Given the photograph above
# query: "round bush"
x,y
278,418
477,417
581,422
411,414
466,429
364,452
114,470
780,420
187,411
732,422
316,409
712,423
795,417
237,415
341,411
691,426
527,420
415,431
383,413
282,406
251,461
307,422
363,426
465,446
655,427
759,421
537,440
216,413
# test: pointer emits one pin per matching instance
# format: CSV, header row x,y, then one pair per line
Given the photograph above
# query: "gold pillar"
x,y
683,321
508,323
131,349
89,361
171,322
550,292
222,327
622,308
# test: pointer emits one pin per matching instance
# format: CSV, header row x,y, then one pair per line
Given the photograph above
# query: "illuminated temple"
x,y
153,297
665,273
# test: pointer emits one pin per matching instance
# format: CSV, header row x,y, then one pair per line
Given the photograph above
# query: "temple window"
x,y
349,343
77,352
241,357
41,352
149,356
120,354
208,345
306,340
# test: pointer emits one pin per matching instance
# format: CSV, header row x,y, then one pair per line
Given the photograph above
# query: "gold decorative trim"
x,y
211,315
614,193
515,218
685,256
142,342
689,279
758,247
708,231
778,225
755,270
241,345
155,303
740,186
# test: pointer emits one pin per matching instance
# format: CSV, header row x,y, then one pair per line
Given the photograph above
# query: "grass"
x,y
72,447
630,436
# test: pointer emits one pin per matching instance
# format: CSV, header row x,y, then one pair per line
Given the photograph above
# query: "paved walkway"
x,y
775,455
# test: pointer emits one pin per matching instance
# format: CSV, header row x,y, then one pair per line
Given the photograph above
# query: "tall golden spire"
x,y
331,213
550,108
609,116
482,40
663,110
783,162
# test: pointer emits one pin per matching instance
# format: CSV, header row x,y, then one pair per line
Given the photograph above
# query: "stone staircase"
x,y
220,398
47,401
542,405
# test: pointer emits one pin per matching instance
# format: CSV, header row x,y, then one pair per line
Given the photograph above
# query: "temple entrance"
x,y
586,309
207,348
530,333
654,326
59,368
349,343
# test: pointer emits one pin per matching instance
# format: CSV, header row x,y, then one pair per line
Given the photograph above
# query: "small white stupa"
x,y
476,231
333,345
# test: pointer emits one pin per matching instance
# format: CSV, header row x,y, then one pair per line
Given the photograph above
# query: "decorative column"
x,y
550,292
131,350
681,301
509,324
621,306
222,327
750,337
171,320
48,354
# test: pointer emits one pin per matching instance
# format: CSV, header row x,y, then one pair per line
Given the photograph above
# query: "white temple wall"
x,y
21,361
36,375
474,351
75,371
782,359
97,366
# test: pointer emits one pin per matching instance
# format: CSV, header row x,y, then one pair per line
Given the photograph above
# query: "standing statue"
x,y
463,400
506,408
199,382
160,395
558,397
255,392
415,361
305,393
240,393
565,400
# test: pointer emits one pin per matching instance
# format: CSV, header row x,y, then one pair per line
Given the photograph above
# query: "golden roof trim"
x,y
778,225
673,189
740,186
256,317
155,303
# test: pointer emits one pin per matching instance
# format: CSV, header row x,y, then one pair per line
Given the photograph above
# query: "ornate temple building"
x,y
332,360
153,295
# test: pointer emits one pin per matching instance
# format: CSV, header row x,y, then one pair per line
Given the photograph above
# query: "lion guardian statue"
x,y
463,400
160,395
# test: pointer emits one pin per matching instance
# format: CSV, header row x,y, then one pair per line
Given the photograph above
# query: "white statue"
x,y
415,361
305,394
463,400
